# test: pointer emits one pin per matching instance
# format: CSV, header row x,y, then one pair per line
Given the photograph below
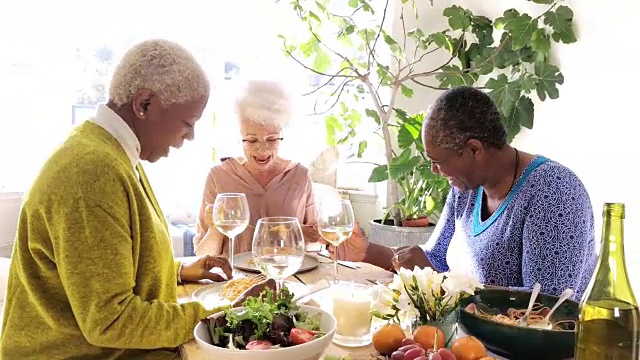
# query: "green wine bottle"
x,y
608,326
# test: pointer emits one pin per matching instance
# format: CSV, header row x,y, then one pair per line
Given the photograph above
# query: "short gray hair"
x,y
265,102
164,67
464,113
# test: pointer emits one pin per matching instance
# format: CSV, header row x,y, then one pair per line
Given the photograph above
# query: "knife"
x,y
348,264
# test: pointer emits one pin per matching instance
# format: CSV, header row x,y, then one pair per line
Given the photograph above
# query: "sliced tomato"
x,y
259,345
300,336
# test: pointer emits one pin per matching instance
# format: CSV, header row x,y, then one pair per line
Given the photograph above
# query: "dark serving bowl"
x,y
516,342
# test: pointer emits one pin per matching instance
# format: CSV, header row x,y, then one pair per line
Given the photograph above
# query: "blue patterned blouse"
x,y
542,232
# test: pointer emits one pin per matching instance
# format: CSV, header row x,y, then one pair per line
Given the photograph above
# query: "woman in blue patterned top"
x,y
522,218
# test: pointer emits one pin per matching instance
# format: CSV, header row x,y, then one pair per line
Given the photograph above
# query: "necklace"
x,y
515,170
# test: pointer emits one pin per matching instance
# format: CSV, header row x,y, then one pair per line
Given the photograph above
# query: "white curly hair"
x,y
265,102
164,67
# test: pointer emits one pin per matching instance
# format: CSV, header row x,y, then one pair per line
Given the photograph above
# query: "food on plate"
x,y
388,338
512,317
233,288
426,336
468,348
268,321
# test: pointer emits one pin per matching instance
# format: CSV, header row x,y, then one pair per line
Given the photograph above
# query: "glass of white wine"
x,y
278,248
231,217
335,224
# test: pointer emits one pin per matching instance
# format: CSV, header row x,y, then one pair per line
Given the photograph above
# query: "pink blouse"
x,y
288,194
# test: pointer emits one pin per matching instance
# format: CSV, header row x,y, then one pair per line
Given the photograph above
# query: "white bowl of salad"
x,y
266,330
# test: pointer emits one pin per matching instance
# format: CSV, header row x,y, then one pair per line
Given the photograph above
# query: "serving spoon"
x,y
545,324
532,300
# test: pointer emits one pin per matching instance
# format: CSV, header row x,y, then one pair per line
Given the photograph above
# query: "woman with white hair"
x,y
274,186
93,274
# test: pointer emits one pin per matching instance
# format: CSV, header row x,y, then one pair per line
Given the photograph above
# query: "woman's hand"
x,y
409,257
201,269
353,249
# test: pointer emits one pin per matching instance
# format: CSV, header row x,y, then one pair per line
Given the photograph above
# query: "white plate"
x,y
244,261
209,296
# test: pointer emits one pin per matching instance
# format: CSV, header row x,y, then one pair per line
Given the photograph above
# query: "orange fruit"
x,y
388,339
468,348
425,335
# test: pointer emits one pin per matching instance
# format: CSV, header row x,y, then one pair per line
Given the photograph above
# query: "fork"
x,y
532,300
258,277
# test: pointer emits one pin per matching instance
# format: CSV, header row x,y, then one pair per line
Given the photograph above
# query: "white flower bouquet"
x,y
423,295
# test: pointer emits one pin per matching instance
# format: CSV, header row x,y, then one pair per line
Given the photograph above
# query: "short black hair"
x,y
464,113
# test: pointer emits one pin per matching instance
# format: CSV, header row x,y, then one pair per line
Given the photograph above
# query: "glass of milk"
x,y
352,309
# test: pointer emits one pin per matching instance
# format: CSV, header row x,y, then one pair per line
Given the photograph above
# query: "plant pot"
x,y
420,222
393,236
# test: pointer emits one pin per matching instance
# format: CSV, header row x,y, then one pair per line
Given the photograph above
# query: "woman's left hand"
x,y
201,269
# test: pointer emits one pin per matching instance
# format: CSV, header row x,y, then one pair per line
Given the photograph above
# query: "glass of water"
x,y
278,248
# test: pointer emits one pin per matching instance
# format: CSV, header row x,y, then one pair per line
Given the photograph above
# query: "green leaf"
x,y
395,48
374,115
409,132
406,91
483,59
362,146
314,16
367,35
528,83
378,174
322,61
384,75
354,3
541,44
441,40
452,76
548,77
561,21
310,47
349,29
522,113
520,26
483,30
333,126
459,18
416,34
503,92
403,164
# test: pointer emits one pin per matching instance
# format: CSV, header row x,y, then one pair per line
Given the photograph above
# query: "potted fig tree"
x,y
358,61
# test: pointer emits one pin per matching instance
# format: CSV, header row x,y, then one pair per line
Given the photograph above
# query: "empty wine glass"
x,y
231,217
335,224
278,248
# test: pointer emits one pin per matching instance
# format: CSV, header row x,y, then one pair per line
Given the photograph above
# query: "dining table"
x,y
350,272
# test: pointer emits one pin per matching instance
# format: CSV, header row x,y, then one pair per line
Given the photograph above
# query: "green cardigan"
x,y
92,274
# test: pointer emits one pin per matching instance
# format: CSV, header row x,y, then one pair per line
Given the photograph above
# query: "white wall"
x,y
589,128
10,203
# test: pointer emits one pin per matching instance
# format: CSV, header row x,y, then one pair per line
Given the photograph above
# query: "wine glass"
x,y
278,248
231,217
335,224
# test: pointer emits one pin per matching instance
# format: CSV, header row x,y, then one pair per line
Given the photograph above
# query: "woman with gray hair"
x,y
92,274
274,186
